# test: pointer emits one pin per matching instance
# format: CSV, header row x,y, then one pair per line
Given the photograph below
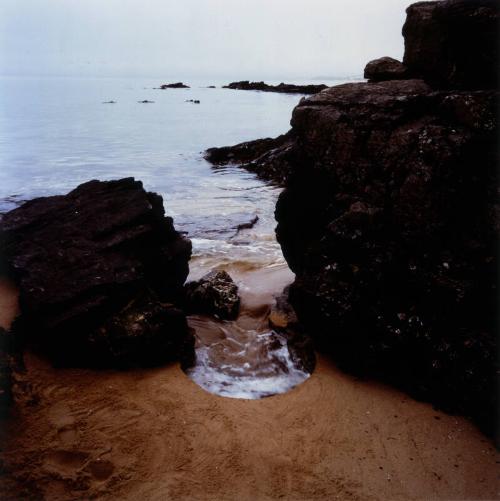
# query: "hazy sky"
x,y
189,38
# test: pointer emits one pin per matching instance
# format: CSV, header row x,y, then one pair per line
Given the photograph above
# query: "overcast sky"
x,y
188,38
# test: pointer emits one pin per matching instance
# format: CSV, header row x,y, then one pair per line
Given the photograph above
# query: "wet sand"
x,y
154,435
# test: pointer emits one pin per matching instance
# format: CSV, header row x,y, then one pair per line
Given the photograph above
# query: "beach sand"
x,y
155,435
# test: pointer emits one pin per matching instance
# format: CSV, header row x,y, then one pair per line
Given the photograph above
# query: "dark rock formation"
x,y
177,85
389,223
214,294
268,158
82,258
385,68
146,332
453,43
390,214
282,87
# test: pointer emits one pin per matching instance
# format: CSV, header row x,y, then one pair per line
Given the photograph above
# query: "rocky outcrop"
x,y
385,68
177,85
214,294
282,87
389,217
453,43
269,158
389,224
83,258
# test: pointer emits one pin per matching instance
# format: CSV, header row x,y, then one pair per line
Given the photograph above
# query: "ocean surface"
x,y
56,133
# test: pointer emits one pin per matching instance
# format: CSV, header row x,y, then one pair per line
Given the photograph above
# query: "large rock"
x,y
389,221
81,258
389,218
453,43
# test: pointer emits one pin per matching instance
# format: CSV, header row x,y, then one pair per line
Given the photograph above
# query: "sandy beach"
x,y
154,434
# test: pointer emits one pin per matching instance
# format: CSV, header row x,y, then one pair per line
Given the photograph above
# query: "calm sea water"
x,y
56,133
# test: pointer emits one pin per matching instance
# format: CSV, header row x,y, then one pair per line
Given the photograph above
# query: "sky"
x,y
237,39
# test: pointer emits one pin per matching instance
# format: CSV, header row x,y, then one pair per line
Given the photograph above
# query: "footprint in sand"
x,y
65,462
70,463
67,435
101,469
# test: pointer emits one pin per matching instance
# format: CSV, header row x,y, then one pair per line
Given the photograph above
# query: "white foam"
x,y
239,380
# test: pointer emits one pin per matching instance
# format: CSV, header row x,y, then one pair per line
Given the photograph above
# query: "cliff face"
x,y
389,215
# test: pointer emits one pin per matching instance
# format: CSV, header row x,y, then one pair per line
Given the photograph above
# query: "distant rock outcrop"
x,y
282,87
177,85
389,218
86,260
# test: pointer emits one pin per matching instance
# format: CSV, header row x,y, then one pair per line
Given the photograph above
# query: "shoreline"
x,y
154,434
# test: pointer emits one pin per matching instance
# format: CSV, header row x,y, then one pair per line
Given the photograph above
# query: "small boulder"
x,y
214,294
385,68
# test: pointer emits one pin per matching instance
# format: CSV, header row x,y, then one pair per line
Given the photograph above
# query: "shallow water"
x,y
56,133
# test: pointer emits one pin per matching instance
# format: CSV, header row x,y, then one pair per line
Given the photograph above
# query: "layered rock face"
x,y
83,263
389,217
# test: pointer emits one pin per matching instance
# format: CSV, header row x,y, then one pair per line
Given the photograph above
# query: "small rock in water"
x,y
177,85
214,294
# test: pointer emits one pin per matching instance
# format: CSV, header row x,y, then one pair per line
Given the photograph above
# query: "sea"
x,y
56,133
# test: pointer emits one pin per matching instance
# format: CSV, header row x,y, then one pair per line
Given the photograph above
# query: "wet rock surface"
x,y
214,294
82,258
389,217
269,158
385,68
283,319
282,87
